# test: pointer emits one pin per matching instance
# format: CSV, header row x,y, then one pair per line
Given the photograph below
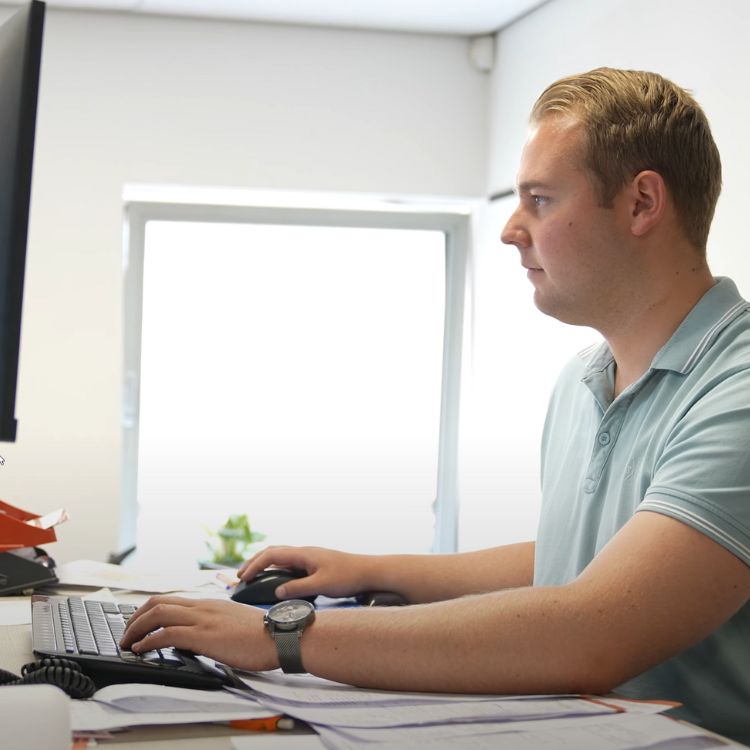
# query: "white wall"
x,y
702,46
155,100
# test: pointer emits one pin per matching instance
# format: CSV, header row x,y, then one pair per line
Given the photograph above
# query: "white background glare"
x,y
293,374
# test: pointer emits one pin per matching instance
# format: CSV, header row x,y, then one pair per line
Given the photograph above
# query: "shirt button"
x,y
604,438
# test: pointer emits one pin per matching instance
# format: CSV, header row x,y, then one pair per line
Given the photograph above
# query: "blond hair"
x,y
635,121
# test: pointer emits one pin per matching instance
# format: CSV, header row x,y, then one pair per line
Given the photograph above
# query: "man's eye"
x,y
540,200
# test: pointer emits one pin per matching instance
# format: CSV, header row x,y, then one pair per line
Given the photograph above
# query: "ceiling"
x,y
463,17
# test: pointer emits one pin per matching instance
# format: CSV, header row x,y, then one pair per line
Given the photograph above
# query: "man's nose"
x,y
513,233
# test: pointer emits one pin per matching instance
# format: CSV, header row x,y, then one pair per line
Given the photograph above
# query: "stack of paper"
x,y
98,574
622,732
131,705
346,717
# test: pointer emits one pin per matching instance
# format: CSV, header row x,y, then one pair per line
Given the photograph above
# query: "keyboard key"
x,y
170,655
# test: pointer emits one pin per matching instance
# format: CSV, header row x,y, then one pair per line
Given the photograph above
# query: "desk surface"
x,y
15,651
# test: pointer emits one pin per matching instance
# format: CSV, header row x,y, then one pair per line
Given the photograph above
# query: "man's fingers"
x,y
255,564
144,609
170,611
299,587
175,635
156,600
279,557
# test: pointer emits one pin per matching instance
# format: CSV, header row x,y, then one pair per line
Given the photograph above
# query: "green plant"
x,y
230,543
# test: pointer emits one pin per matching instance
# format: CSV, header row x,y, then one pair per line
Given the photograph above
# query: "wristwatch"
x,y
286,621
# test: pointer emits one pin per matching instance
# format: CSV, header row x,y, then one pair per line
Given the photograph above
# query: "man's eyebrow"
x,y
525,187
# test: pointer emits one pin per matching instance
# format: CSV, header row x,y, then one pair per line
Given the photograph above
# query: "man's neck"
x,y
636,343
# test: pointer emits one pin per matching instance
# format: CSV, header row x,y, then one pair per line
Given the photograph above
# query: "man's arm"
x,y
418,578
657,588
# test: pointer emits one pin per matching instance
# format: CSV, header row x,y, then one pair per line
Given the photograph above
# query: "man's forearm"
x,y
432,578
520,641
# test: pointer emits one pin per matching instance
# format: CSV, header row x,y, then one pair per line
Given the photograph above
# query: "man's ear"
x,y
648,195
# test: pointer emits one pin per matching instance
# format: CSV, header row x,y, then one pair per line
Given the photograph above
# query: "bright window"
x,y
293,373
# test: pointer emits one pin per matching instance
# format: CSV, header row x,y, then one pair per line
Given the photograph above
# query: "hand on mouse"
x,y
331,573
231,633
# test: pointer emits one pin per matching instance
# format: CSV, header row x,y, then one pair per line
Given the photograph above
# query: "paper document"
x,y
633,706
132,705
91,573
348,717
306,688
620,732
415,714
51,519
15,610
429,732
279,741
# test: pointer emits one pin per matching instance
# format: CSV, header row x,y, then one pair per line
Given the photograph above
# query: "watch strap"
x,y
289,652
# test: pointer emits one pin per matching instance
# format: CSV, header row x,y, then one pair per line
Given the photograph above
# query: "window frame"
x,y
453,220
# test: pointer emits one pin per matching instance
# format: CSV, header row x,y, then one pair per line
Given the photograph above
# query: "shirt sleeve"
x,y
703,475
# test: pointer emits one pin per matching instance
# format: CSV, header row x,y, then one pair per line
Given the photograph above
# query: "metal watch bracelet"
x,y
289,652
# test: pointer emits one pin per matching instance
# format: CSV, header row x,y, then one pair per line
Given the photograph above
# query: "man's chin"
x,y
554,308
542,303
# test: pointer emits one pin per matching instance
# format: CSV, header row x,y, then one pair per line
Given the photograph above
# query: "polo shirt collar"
x,y
718,307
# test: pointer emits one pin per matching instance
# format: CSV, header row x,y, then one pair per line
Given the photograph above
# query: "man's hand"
x,y
330,573
417,578
231,633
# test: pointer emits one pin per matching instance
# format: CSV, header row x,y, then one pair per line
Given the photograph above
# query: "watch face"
x,y
290,612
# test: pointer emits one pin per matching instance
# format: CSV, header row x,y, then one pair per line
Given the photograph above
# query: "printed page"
x,y
619,732
308,689
144,698
91,573
15,610
279,741
138,705
430,732
395,715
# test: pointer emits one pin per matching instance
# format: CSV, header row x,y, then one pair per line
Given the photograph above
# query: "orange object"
x,y
230,583
270,724
16,532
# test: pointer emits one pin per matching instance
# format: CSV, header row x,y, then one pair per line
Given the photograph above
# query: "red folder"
x,y
15,531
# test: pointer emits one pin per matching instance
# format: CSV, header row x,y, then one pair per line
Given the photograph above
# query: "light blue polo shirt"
x,y
676,442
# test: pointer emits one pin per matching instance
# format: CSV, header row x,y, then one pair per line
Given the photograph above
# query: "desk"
x,y
15,651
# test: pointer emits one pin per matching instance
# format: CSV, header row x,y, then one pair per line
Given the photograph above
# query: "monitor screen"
x,y
20,58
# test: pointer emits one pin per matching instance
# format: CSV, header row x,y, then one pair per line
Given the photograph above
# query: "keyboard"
x,y
89,632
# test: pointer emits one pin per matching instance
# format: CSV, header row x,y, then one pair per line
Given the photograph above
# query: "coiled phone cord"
x,y
63,673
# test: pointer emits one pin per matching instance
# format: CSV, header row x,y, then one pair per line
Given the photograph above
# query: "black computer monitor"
x,y
20,58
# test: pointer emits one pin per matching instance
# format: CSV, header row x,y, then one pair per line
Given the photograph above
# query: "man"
x,y
640,572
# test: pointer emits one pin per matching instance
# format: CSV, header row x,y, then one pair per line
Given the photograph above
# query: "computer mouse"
x,y
260,590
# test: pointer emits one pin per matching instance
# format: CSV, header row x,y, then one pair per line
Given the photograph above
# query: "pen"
x,y
269,724
228,582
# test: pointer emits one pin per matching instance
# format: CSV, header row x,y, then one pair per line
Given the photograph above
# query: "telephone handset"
x,y
63,673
